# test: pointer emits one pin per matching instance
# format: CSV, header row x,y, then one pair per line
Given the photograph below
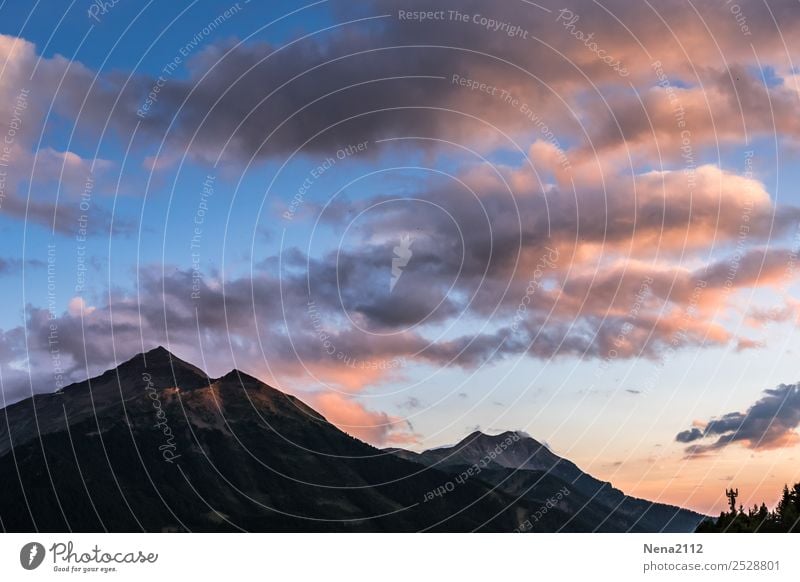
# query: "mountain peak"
x,y
515,435
158,351
237,375
510,448
159,355
163,368
278,400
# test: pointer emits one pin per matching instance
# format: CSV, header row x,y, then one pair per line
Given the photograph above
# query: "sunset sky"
x,y
591,208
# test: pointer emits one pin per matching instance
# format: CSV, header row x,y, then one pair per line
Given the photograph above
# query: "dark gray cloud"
x,y
687,436
768,424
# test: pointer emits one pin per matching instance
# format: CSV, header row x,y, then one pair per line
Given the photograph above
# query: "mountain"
x,y
521,466
157,445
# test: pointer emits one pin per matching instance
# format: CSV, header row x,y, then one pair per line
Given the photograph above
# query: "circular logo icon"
x,y
31,555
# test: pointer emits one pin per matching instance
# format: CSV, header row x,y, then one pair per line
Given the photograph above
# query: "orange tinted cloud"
x,y
377,428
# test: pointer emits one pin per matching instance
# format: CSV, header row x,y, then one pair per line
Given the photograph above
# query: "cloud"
x,y
270,326
572,265
354,418
386,77
552,70
769,423
378,75
43,185
759,317
689,435
411,403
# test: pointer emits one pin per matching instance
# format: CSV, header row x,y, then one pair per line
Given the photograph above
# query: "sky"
x,y
424,218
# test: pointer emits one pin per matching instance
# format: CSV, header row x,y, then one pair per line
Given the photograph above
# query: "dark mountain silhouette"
x,y
156,445
527,469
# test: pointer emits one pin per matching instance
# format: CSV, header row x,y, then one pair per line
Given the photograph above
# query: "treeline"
x,y
783,519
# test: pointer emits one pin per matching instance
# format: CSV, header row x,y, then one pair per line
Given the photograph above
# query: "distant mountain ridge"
x,y
528,469
157,445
